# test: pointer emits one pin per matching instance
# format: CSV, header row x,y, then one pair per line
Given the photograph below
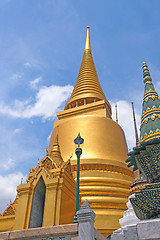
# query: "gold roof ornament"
x,y
87,88
55,153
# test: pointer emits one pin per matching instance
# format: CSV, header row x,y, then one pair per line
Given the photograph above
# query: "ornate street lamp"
x,y
78,144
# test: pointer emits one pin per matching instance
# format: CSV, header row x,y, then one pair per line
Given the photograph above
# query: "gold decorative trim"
x,y
31,178
151,96
150,117
147,80
10,210
151,135
149,91
103,167
149,77
153,110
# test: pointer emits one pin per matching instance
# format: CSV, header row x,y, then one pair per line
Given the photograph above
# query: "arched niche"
x,y
36,217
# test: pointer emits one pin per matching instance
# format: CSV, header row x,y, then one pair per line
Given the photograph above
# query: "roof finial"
x,y
116,113
87,44
22,180
150,120
146,74
135,125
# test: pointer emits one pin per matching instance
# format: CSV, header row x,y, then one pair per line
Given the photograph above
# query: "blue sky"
x,y
41,48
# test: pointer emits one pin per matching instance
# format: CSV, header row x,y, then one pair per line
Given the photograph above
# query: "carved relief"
x,y
10,210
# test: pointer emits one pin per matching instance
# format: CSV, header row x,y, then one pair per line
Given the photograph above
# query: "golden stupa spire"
x,y
87,88
87,44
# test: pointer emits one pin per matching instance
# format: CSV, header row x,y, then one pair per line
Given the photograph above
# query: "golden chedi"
x,y
48,196
104,176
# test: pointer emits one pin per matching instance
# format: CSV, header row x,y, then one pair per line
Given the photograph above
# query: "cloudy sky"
x,y
41,48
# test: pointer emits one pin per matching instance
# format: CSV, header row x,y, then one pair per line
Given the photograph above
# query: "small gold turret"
x,y
55,153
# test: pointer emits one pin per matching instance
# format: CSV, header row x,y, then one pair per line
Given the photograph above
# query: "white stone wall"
x,y
144,230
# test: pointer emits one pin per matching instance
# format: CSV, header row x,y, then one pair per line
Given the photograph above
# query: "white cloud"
x,y
34,83
47,102
15,76
27,64
34,64
8,188
17,130
8,163
48,138
125,120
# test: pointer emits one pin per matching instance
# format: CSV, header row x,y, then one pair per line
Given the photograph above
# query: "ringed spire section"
x,y
150,119
87,88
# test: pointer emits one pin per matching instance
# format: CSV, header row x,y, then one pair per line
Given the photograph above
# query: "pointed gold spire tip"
x,y
87,88
87,44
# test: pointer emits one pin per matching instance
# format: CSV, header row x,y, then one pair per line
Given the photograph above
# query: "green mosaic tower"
x,y
146,156
150,120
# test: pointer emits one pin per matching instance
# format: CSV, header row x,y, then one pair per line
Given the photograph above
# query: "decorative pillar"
x,y
86,218
25,192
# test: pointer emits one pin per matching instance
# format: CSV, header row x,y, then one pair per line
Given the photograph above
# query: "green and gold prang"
x,y
150,119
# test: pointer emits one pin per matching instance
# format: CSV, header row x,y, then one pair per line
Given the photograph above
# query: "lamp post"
x,y
78,143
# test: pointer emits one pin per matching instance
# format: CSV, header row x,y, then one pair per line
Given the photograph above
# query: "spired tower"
x,y
151,109
146,156
104,176
150,124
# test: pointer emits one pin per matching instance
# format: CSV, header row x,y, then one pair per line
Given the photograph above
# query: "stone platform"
x,y
61,232
83,230
144,230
